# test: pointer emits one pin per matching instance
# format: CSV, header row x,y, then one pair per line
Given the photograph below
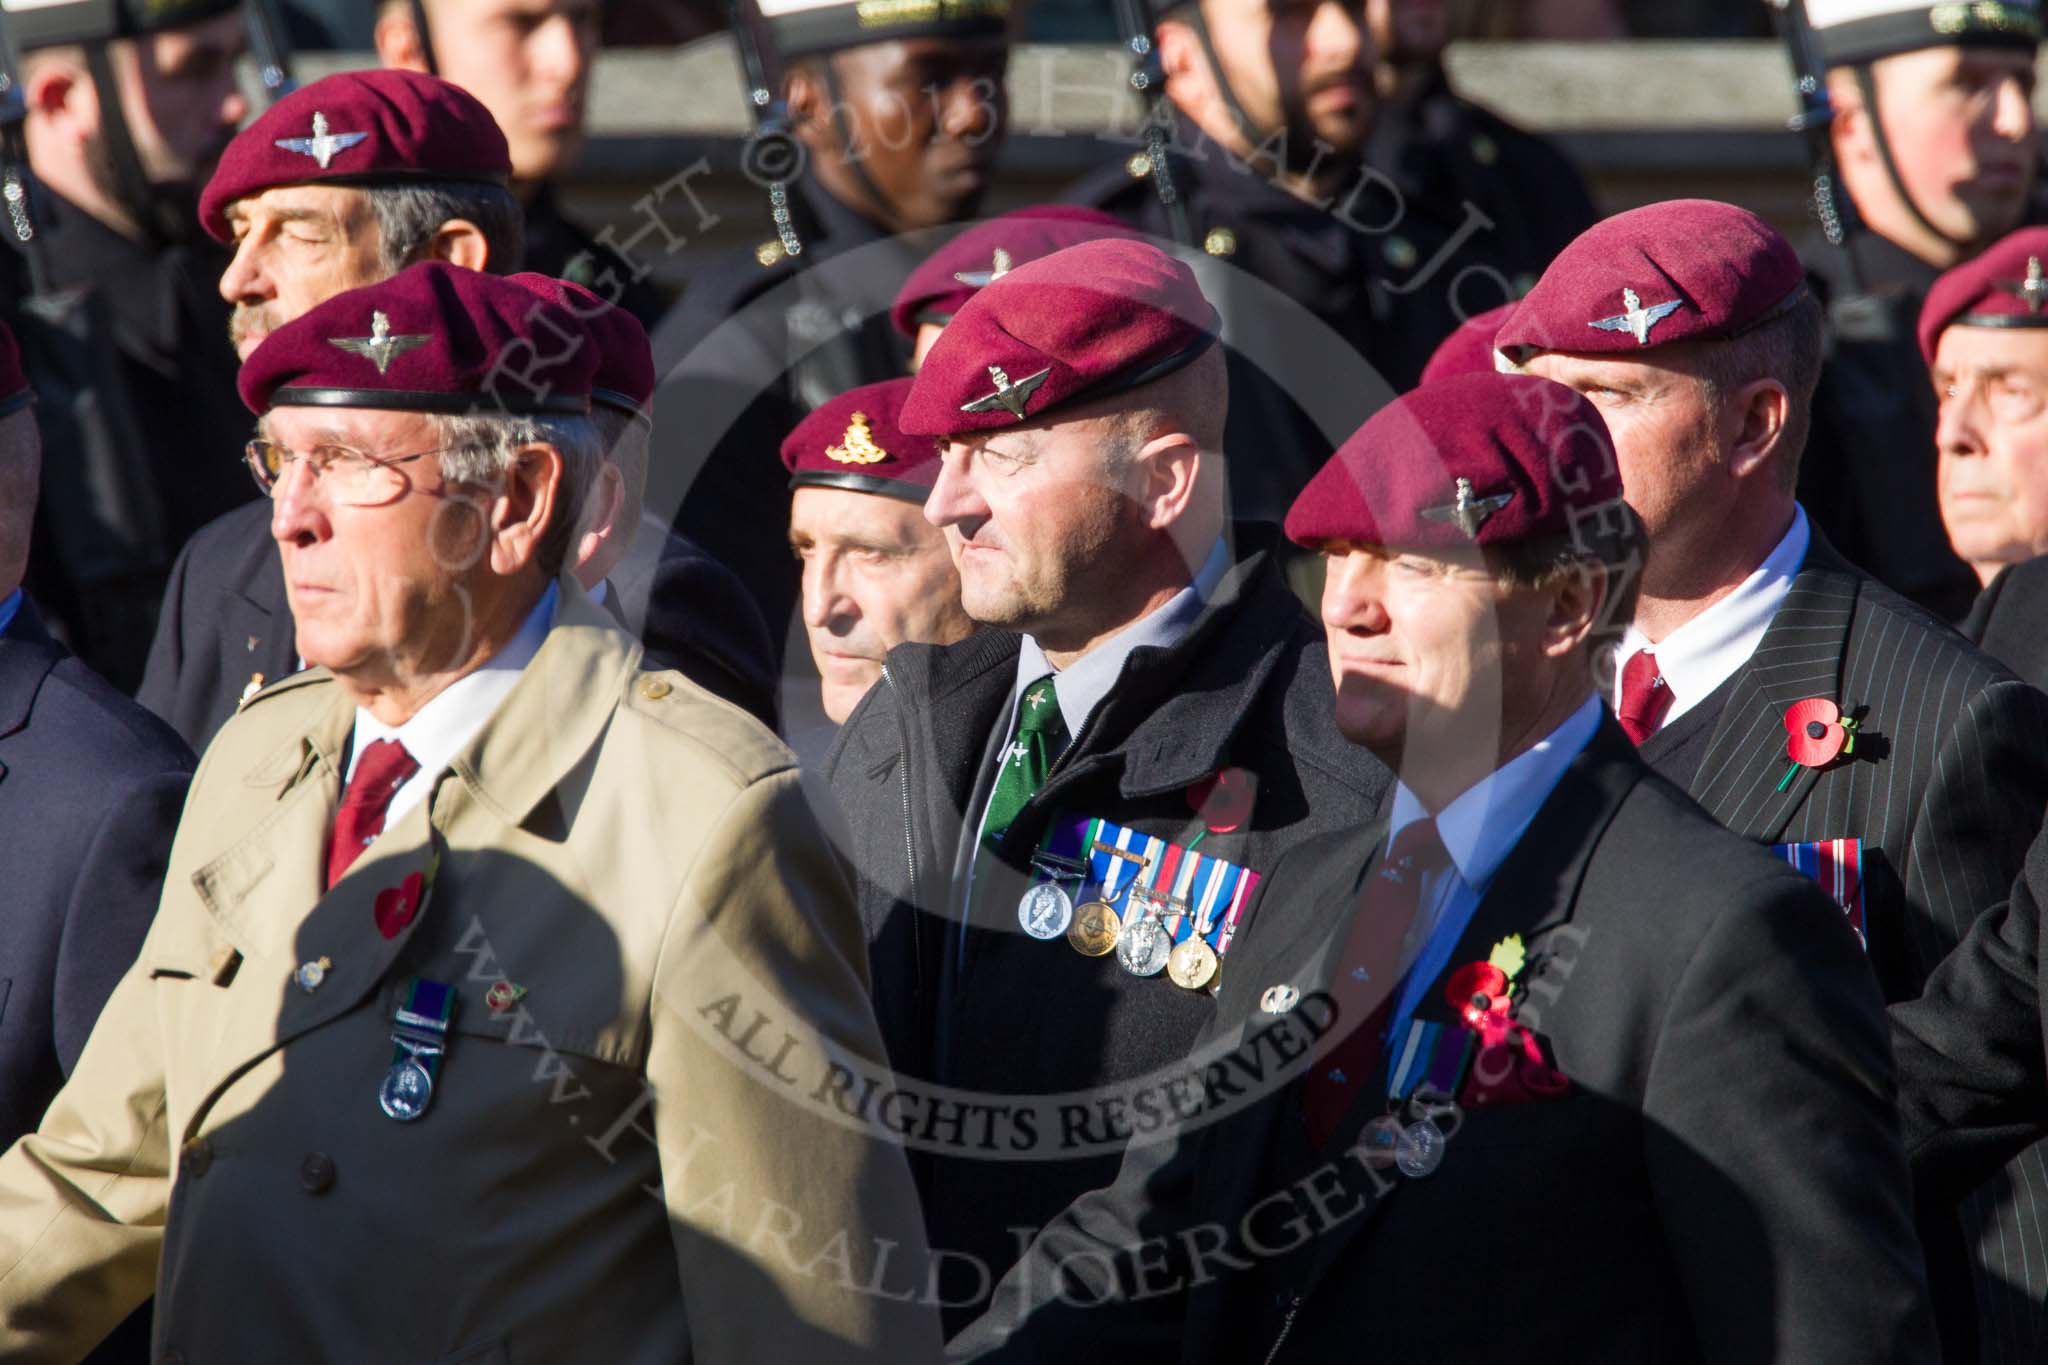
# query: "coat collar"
x,y
1800,656
27,654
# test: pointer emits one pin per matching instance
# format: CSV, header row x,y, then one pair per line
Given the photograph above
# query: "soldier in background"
x,y
899,119
530,64
1935,140
129,106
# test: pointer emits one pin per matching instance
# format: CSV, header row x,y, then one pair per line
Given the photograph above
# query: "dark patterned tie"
x,y
1368,976
1041,736
381,770
1645,697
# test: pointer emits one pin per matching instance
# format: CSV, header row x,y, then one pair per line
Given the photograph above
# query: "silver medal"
x,y
1045,911
1144,948
1420,1149
406,1090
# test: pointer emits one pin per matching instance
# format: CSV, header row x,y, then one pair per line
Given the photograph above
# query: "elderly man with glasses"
x,y
443,992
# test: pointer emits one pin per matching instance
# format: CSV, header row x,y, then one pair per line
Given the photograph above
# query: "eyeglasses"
x,y
348,476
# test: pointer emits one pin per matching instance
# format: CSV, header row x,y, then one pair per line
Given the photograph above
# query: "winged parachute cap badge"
x,y
858,445
322,145
1636,319
1469,513
976,279
380,348
2033,290
1008,396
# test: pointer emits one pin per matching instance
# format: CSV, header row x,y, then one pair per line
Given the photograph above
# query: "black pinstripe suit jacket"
x,y
1947,789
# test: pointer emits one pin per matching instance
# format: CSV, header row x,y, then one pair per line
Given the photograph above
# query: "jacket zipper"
x,y
1286,1326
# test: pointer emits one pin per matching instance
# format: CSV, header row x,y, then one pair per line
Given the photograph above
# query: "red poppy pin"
x,y
398,906
1816,734
1224,801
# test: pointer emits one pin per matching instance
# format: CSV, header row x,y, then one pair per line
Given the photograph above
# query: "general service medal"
x,y
406,1091
1420,1149
1045,911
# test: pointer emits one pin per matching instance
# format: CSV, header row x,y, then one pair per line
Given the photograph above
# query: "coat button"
x,y
316,1173
654,689
198,1157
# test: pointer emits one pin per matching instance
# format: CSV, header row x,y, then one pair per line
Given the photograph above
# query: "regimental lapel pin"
x,y
1279,999
1636,319
2033,290
1469,513
978,279
503,995
380,347
858,445
322,145
1008,396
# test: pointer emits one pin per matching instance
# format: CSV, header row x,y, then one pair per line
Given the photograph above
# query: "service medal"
x,y
1096,929
1045,911
406,1091
1192,964
1144,947
1420,1149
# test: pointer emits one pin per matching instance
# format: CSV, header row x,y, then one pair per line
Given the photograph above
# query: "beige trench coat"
x,y
623,1166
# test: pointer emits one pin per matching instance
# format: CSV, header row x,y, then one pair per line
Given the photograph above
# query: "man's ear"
x,y
600,520
1849,131
460,242
397,41
1576,601
1169,465
810,103
58,90
525,507
1186,66
1761,409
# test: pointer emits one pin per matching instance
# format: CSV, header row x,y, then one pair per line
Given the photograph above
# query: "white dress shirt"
x,y
456,714
1706,651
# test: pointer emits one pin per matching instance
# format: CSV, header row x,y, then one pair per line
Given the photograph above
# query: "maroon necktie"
x,y
1645,696
381,770
1368,975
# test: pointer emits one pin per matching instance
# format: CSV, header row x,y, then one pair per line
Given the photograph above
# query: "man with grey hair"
x,y
495,840
343,184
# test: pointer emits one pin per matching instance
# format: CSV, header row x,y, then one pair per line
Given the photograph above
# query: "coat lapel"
x,y
27,654
1800,656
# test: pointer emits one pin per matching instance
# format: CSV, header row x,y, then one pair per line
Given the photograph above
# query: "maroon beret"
x,y
854,441
1469,349
1476,459
1682,270
2003,287
1086,322
988,251
624,377
354,128
433,338
15,393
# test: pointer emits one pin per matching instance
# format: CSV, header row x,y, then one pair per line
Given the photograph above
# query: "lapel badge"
x,y
1010,397
310,976
503,995
977,279
1468,513
2032,291
250,689
322,145
380,347
1635,319
858,445
1279,999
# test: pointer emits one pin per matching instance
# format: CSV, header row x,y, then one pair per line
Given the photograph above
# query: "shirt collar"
x,y
1082,685
437,732
1706,651
1487,819
9,609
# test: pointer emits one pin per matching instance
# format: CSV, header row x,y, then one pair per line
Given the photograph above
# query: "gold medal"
x,y
1095,929
1192,964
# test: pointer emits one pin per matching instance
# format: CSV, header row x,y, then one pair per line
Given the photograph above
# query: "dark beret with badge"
x,y
2006,286
1087,322
1851,32
34,24
355,128
624,378
1680,270
854,442
432,338
1469,349
986,252
803,28
1477,459
15,394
